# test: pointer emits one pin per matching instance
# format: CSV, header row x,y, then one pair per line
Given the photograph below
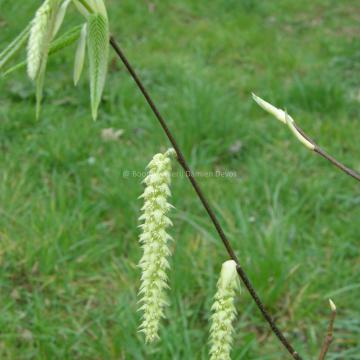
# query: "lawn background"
x,y
68,199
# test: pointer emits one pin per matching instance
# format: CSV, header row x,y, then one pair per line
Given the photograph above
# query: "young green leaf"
x,y
58,44
87,7
39,37
65,40
84,10
40,86
98,51
60,16
80,55
99,7
41,34
10,51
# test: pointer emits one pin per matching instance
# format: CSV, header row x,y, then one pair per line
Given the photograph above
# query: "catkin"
x,y
154,240
224,312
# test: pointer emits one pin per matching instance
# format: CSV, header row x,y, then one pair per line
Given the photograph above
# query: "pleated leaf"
x,y
39,38
80,55
11,50
41,35
98,52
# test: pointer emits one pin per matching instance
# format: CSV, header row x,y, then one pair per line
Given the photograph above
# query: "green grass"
x,y
68,215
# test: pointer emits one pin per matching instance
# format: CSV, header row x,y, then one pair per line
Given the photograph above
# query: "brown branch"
x,y
329,336
332,160
204,202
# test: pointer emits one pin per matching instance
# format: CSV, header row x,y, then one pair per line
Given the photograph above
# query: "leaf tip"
x,y
94,113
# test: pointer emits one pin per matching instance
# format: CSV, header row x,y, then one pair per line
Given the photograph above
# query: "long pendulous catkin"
x,y
154,240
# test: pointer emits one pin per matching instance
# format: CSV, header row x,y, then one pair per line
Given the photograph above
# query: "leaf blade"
x,y
11,50
60,16
39,36
98,52
58,44
80,55
40,79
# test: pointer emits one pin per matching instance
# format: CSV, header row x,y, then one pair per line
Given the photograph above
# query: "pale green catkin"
x,y
224,312
154,240
39,36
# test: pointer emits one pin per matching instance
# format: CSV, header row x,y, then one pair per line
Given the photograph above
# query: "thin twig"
x,y
329,336
205,202
309,143
321,152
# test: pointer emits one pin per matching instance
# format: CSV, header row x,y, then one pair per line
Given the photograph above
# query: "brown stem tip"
x,y
329,336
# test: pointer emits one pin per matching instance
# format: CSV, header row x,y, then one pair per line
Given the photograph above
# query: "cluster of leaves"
x,y
40,37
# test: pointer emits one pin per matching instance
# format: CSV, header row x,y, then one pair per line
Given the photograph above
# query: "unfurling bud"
x,y
332,305
224,312
154,240
282,116
271,109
